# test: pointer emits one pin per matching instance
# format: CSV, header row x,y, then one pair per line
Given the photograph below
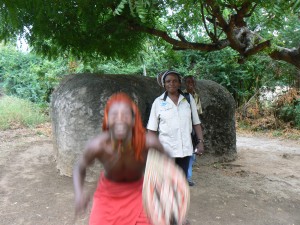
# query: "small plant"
x,y
15,112
244,125
297,114
277,133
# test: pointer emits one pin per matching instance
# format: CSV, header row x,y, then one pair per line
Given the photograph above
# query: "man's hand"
x,y
81,203
199,148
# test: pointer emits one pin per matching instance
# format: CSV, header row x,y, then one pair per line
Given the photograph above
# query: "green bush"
x,y
16,112
291,113
287,113
297,114
29,76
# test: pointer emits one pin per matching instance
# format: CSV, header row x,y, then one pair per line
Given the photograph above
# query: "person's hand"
x,y
81,203
199,148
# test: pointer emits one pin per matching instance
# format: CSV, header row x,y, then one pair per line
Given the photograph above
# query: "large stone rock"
x,y
218,120
77,109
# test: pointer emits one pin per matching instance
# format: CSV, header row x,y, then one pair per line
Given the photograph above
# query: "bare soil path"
x,y
262,187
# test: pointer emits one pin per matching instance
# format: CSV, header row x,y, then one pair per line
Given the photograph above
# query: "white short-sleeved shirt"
x,y
174,124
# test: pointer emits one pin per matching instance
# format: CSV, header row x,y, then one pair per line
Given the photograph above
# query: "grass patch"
x,y
283,133
277,133
15,112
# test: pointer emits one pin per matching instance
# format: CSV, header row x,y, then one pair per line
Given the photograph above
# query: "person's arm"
x,y
152,132
153,142
200,145
79,173
197,127
153,121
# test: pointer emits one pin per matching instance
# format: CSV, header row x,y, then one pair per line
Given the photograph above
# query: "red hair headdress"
x,y
138,130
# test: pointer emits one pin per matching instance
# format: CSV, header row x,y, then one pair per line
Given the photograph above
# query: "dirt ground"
x,y
261,187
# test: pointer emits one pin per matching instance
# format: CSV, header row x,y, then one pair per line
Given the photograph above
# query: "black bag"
x,y
194,139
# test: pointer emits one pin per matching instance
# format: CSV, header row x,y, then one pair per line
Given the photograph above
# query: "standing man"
x,y
190,84
122,149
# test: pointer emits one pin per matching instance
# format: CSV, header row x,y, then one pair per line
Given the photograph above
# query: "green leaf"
x,y
120,7
296,5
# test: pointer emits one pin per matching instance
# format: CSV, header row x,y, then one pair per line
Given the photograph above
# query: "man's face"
x,y
190,84
120,121
172,83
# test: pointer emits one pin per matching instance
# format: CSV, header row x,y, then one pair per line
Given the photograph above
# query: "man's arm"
x,y
152,141
79,172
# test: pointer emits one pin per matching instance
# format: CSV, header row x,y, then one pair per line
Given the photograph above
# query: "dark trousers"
x,y
183,163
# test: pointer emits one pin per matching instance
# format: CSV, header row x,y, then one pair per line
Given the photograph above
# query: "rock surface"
x,y
218,119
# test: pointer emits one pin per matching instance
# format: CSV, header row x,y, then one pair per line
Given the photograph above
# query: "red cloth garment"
x,y
118,203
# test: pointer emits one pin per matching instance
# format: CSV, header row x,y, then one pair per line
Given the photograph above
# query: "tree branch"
x,y
181,45
212,36
229,6
245,8
257,48
181,37
216,12
251,11
239,17
291,56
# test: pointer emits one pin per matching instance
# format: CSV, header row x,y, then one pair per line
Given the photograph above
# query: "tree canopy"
x,y
118,28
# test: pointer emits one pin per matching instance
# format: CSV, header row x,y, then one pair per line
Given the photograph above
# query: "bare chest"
x,y
123,167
